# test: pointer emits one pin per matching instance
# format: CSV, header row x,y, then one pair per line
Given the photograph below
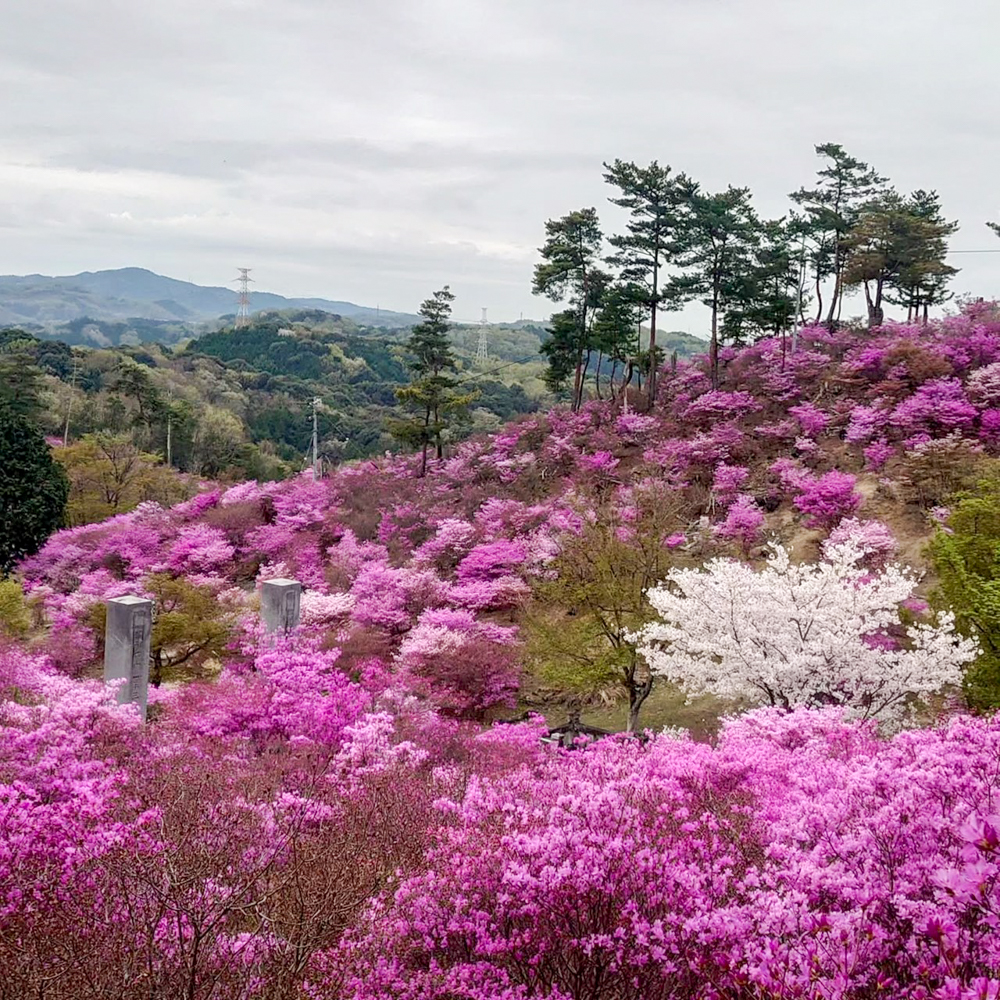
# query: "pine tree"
x,y
431,394
844,185
717,241
765,298
651,197
896,251
569,271
33,488
616,329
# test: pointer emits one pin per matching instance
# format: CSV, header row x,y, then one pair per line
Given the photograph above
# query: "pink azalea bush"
x,y
801,857
829,498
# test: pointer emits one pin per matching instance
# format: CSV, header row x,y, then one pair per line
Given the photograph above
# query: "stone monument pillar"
x,y
279,605
126,648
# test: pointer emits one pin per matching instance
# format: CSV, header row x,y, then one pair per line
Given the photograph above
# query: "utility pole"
x,y
243,309
482,351
69,402
170,415
315,406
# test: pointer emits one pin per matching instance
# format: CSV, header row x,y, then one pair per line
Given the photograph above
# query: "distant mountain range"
x,y
135,293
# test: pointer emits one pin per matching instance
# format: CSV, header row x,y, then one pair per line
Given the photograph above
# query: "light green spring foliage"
x,y
580,620
15,618
967,562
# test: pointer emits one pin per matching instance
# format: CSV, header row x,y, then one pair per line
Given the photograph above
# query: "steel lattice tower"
x,y
243,310
482,351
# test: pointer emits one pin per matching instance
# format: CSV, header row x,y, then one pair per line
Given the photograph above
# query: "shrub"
x,y
829,498
933,470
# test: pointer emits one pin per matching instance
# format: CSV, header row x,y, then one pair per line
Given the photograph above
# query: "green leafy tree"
x,y
581,618
33,488
190,628
967,564
20,381
562,350
842,187
650,195
432,394
569,271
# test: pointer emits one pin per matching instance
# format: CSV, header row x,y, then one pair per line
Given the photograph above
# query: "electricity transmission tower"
x,y
482,351
243,310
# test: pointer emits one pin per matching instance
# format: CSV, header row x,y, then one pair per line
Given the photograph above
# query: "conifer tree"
x,y
616,329
33,488
431,394
650,195
843,186
717,241
569,271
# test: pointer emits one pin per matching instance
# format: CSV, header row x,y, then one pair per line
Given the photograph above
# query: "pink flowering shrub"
x,y
743,522
632,427
812,420
463,665
872,538
682,871
939,406
878,453
717,406
829,498
727,481
983,386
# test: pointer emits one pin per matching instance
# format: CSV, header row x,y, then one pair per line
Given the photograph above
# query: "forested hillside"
x,y
238,403
754,544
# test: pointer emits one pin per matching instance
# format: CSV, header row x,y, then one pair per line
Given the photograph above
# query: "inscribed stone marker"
x,y
126,648
279,605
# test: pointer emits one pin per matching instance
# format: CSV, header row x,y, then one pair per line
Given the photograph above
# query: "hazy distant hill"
x,y
135,293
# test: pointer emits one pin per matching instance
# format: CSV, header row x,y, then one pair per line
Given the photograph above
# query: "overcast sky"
x,y
373,150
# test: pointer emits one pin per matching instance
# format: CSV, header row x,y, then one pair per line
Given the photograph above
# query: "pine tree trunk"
x,y
651,381
713,348
597,374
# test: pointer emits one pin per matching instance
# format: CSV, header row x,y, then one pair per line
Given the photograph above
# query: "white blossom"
x,y
795,634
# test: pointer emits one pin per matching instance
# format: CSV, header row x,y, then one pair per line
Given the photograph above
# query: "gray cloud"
x,y
374,150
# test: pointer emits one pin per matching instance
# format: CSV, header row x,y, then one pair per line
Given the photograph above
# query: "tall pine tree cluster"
x,y
682,243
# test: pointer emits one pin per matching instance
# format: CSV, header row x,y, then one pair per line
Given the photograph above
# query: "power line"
x,y
499,368
973,251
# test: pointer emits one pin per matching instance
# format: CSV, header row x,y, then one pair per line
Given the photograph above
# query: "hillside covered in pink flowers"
x,y
367,809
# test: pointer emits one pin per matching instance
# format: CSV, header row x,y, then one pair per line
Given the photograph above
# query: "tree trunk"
x,y
651,381
819,297
833,301
713,347
577,378
638,692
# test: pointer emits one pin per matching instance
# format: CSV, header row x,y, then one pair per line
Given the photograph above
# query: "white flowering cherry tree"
x,y
801,634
